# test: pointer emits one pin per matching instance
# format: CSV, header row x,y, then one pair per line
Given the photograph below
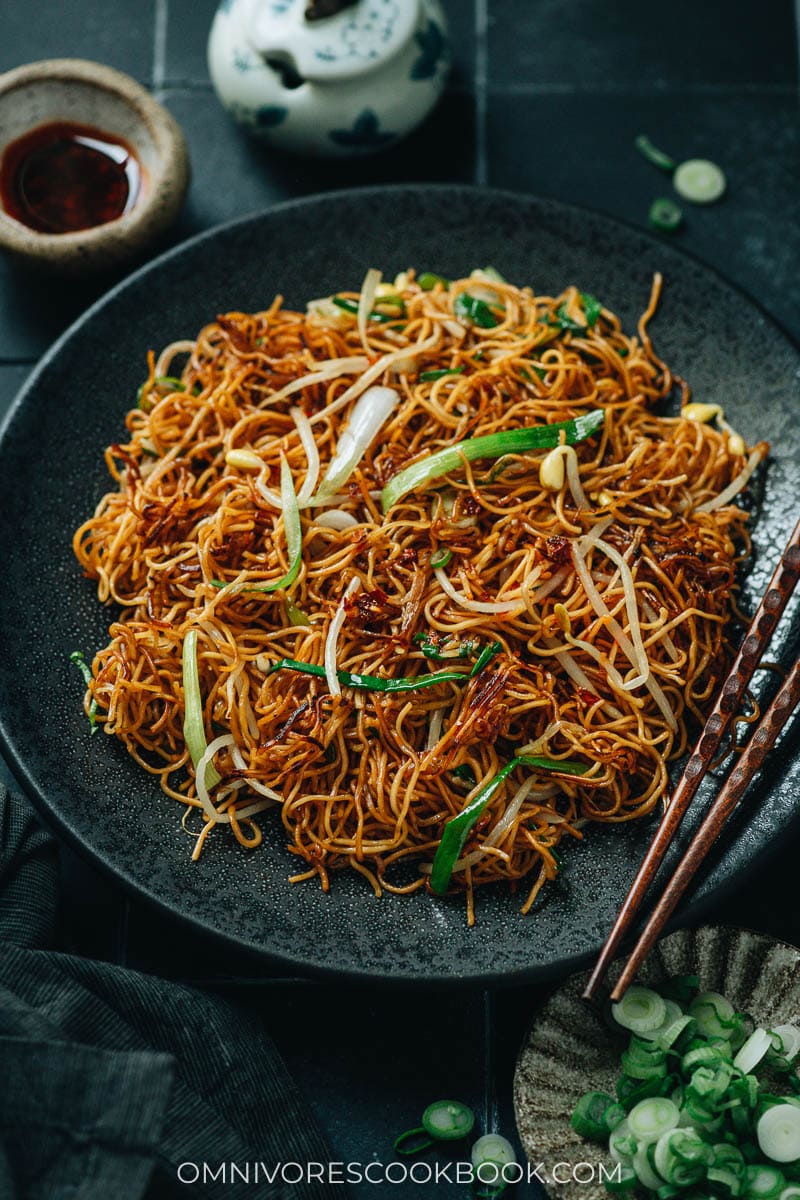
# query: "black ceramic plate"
x,y
52,474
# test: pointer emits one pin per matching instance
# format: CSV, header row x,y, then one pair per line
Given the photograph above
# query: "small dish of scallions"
x,y
687,1089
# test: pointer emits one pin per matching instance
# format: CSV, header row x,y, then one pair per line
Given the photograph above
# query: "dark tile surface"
x,y
222,151
119,34
11,380
588,157
595,47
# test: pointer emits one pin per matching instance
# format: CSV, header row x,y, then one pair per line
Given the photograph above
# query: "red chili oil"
x,y
62,177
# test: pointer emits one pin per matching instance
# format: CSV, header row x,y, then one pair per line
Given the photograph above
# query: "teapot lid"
x,y
354,40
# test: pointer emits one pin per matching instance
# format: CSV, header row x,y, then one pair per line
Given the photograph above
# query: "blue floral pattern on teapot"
x,y
351,83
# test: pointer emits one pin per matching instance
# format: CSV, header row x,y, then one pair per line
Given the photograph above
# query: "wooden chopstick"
x,y
725,708
737,783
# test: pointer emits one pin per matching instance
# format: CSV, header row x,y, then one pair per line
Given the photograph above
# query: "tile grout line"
x,y
481,82
491,1113
160,47
668,91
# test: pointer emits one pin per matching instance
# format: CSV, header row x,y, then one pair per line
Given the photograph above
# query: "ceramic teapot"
x,y
329,77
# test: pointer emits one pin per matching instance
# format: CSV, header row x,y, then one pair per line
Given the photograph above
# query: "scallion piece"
x,y
440,558
431,376
641,1010
431,647
350,306
590,1117
477,312
486,655
193,728
428,281
448,1120
80,662
458,828
493,445
665,215
294,537
296,615
653,155
699,180
372,683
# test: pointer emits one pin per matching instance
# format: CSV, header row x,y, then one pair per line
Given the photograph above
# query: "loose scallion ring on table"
x,y
318,507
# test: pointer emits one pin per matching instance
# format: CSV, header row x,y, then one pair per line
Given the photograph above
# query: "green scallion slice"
x,y
458,828
80,662
476,311
428,281
448,1120
665,215
431,376
653,155
493,445
193,728
699,180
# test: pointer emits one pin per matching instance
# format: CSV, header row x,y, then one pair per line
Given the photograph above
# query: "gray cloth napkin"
x,y
110,1079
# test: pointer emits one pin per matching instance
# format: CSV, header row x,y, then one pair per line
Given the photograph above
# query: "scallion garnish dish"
x,y
707,1103
436,568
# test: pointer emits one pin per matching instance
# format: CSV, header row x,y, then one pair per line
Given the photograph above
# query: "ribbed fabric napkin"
x,y
110,1079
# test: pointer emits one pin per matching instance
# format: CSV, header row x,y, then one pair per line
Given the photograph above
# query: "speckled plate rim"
x,y
543,973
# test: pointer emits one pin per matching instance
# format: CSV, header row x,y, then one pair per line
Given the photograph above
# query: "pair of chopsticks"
x,y
727,705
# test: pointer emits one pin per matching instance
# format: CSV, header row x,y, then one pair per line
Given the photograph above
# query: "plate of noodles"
x,y
401,538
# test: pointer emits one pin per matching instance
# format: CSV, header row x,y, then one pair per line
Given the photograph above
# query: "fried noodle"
x,y
609,587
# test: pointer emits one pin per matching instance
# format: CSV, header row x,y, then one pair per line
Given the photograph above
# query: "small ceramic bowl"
x,y
87,93
570,1050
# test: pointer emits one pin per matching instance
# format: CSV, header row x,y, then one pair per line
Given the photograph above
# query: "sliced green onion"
x,y
665,215
448,1120
193,728
630,1091
486,655
752,1052
778,1133
86,671
477,312
640,1010
430,376
681,1156
294,537
669,1034
622,1179
763,1182
715,1016
680,988
465,773
653,155
164,381
428,281
649,1119
699,180
592,308
350,306
590,1117
440,558
622,1145
430,647
412,1141
645,1172
458,828
494,1152
493,445
296,615
371,683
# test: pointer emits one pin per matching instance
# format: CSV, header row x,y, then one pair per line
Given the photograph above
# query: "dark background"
x,y
546,96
